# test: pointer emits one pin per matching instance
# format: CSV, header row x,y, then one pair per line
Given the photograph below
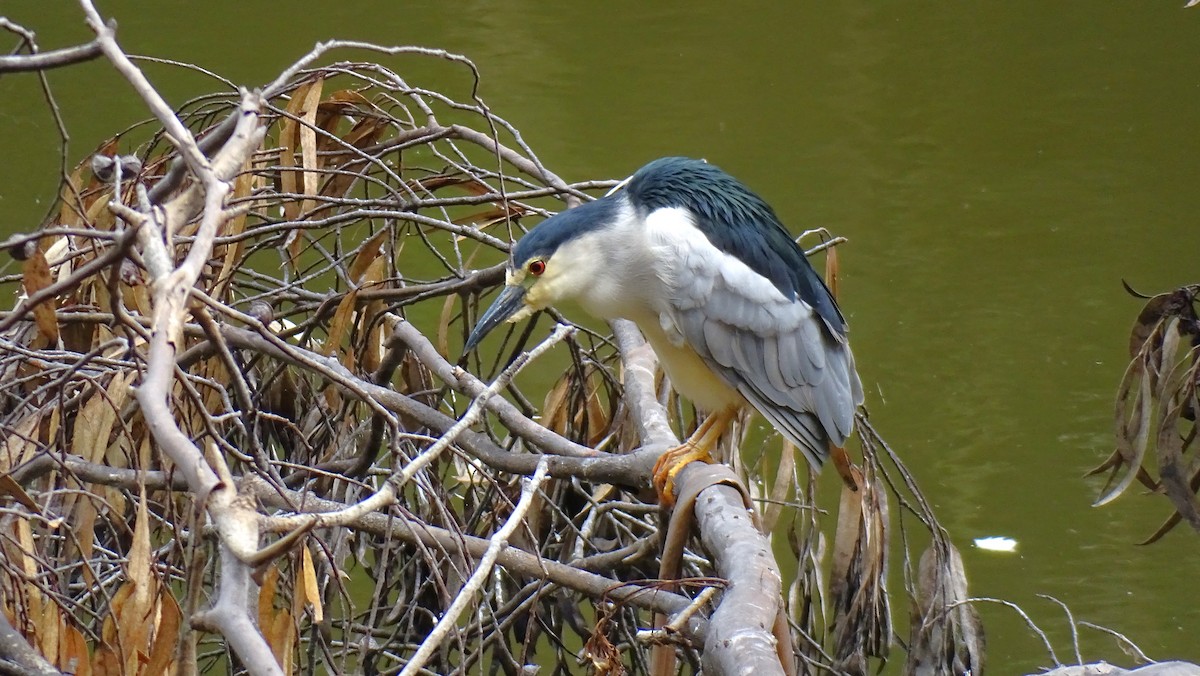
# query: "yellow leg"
x,y
697,447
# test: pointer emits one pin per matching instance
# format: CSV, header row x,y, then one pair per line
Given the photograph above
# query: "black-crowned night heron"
x,y
721,291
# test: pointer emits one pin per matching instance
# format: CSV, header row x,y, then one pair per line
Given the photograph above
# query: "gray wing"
x,y
775,351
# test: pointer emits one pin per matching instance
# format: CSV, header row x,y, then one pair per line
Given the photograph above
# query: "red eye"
x,y
536,268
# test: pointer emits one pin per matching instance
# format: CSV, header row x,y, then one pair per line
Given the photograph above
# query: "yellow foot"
x,y
697,447
669,463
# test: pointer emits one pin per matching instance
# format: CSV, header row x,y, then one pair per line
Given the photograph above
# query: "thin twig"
x,y
1071,623
1123,639
1019,611
482,571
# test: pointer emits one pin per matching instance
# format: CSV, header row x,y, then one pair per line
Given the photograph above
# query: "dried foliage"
x,y
1156,408
280,463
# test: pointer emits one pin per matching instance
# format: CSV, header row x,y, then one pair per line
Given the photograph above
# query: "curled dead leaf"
x,y
36,277
862,623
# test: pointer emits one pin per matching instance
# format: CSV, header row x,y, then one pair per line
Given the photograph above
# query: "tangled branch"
x,y
235,423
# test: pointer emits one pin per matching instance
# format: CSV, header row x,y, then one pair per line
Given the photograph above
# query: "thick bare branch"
x,y
16,654
57,58
741,640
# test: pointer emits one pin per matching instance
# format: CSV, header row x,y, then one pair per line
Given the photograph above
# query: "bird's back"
x,y
738,222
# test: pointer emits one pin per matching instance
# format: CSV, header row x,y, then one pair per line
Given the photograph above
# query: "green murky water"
x,y
998,169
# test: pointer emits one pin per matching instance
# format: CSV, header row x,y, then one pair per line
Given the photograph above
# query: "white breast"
x,y
637,286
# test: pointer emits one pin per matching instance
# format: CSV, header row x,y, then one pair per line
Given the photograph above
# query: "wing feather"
x,y
771,364
776,351
717,339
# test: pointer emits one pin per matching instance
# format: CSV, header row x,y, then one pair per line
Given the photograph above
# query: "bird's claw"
x,y
669,464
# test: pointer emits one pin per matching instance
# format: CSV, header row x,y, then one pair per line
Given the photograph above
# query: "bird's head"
x,y
558,260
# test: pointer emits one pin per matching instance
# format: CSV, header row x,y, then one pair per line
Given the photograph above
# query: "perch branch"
x,y
16,653
741,640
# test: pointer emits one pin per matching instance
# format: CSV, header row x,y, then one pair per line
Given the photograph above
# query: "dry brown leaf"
x,y
376,344
110,632
312,593
35,277
289,140
848,532
1171,470
105,661
604,657
832,271
98,215
96,418
597,414
371,268
19,442
365,133
292,182
266,596
330,114
134,617
348,97
285,632
73,655
42,612
68,215
371,250
1160,358
287,620
10,487
946,633
243,185
113,638
308,137
1132,429
126,627
50,627
443,327
339,325
431,184
275,623
784,475
84,518
858,585
554,408
489,217
166,634
138,566
308,156
27,564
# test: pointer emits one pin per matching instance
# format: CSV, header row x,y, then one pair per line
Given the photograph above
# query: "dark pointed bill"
x,y
507,304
